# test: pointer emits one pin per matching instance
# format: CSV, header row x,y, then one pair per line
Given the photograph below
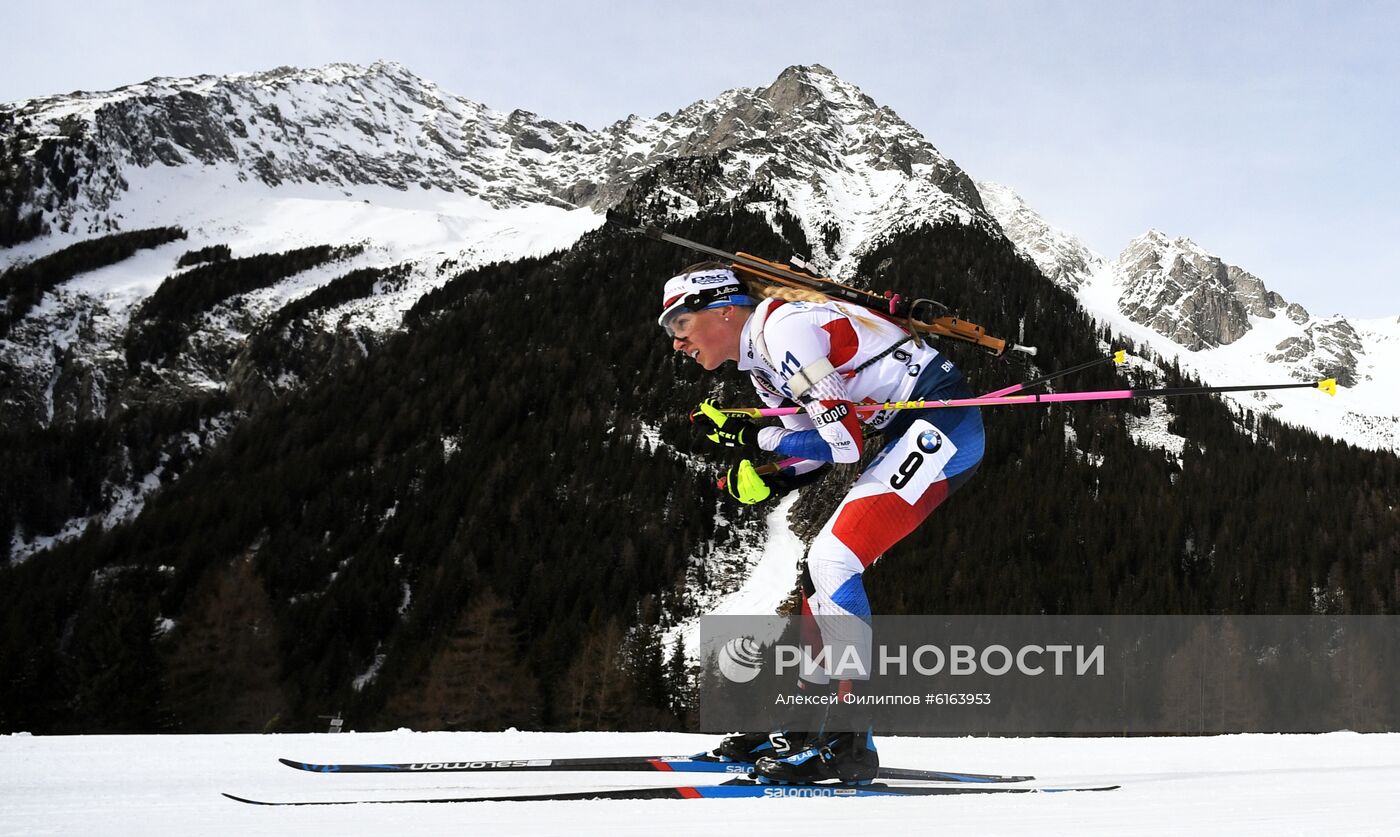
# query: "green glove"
x,y
724,429
746,485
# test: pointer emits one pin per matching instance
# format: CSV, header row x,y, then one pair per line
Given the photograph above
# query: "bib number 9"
x,y
906,470
916,462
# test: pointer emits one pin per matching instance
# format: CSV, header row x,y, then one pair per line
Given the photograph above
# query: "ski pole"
x,y
1328,386
1119,357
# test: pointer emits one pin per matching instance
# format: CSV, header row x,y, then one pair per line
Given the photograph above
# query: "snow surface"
x,y
1338,783
765,572
440,233
423,226
1366,415
1152,432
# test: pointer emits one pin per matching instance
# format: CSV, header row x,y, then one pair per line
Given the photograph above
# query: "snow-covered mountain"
x,y
852,169
413,187
1223,324
1179,290
399,173
1063,258
416,176
348,155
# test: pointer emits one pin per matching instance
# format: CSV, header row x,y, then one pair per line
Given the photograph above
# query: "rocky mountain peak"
x,y
1062,257
1176,288
1327,348
1156,238
809,142
808,139
809,146
814,88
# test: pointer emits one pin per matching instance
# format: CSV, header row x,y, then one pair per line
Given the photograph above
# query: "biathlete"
x,y
804,349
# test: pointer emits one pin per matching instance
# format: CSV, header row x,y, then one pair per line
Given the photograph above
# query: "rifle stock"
x,y
890,304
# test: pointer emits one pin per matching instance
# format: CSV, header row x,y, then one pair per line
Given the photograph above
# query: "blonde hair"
x,y
764,290
759,289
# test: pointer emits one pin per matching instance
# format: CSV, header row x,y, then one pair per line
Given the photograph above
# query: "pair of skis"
x,y
937,782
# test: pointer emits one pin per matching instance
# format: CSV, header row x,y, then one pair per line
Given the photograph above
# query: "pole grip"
x,y
763,471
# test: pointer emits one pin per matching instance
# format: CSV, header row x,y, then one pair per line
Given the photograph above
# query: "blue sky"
x,y
1265,132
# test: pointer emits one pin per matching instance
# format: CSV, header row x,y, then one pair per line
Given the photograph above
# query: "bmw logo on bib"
x,y
930,441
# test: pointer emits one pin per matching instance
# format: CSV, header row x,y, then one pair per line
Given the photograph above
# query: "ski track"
x,y
1337,783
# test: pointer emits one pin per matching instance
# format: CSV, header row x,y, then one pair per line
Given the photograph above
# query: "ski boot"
x,y
750,746
847,757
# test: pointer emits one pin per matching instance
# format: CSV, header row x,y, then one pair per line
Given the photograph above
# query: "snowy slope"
x,y
1063,258
379,157
1340,783
848,167
1222,325
343,154
216,207
757,577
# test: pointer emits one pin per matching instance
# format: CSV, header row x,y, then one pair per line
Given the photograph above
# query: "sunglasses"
x,y
701,301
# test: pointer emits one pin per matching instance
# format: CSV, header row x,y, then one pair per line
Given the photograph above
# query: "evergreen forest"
x,y
468,529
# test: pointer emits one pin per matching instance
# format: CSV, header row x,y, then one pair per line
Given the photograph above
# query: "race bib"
x,y
915,462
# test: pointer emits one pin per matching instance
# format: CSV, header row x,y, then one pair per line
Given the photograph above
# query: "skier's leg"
x,y
794,730
897,493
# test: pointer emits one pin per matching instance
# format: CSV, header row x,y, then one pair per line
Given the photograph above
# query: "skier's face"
x,y
708,337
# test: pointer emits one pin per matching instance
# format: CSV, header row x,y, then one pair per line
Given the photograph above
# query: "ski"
x,y
701,763
733,789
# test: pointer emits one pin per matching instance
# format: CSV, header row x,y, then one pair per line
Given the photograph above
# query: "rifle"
x,y
919,316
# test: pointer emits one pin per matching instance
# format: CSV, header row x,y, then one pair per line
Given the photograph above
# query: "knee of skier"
x,y
827,569
839,587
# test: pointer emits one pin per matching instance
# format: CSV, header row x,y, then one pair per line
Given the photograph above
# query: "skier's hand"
x,y
744,483
723,429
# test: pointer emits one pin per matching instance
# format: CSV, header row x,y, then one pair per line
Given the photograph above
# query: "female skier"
x,y
804,349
